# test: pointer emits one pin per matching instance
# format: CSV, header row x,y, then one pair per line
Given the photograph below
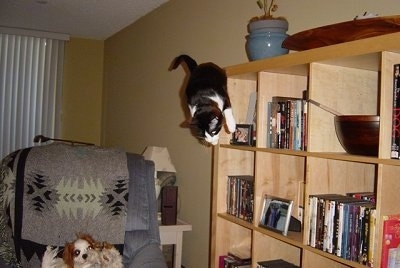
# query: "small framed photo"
x,y
276,214
243,134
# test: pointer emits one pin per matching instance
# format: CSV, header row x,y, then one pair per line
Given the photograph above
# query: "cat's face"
x,y
207,125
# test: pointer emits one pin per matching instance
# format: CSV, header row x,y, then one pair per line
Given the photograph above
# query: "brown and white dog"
x,y
84,252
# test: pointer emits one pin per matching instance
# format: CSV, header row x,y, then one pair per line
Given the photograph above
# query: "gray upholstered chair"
x,y
51,192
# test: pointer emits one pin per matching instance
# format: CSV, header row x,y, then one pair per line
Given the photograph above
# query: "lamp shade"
x,y
160,157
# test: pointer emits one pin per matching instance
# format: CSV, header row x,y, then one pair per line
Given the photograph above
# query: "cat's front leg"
x,y
230,120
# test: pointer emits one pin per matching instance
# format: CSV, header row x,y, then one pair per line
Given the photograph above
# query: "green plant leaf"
x,y
260,4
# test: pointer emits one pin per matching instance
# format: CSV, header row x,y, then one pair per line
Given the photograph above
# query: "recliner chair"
x,y
49,193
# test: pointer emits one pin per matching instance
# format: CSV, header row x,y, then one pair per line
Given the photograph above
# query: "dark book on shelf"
x,y
233,261
286,124
369,196
240,197
278,263
394,153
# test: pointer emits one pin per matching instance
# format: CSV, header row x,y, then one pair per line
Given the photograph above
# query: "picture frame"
x,y
243,135
276,214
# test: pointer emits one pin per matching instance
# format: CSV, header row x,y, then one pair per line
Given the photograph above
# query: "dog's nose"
x,y
84,256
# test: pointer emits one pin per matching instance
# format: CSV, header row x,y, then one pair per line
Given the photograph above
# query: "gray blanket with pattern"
x,y
53,192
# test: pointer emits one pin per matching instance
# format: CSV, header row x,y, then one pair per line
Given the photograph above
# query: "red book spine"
x,y
390,239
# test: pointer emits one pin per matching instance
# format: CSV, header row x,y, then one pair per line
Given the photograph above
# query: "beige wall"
x,y
142,103
82,90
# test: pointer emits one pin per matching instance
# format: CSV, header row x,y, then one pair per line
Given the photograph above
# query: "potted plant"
x,y
266,33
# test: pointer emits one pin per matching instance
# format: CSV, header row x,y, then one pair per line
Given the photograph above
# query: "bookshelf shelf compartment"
x,y
352,78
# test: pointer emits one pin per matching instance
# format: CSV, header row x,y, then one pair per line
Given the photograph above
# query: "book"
x,y
370,196
286,123
233,261
240,197
394,258
269,125
394,153
278,263
364,218
371,237
390,241
317,219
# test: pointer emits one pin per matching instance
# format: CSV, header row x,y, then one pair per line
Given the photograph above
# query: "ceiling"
x,y
92,19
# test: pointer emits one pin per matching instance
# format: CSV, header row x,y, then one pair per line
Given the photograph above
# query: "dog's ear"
x,y
88,238
107,245
68,254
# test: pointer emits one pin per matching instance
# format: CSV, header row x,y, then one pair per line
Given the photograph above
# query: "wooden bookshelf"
x,y
352,78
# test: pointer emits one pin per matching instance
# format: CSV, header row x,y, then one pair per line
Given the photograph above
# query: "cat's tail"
x,y
191,63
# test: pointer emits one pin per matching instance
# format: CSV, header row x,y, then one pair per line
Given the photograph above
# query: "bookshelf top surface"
x,y
364,54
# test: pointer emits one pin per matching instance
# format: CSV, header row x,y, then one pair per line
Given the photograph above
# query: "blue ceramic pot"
x,y
265,39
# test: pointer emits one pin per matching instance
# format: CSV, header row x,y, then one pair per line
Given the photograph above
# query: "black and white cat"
x,y
207,98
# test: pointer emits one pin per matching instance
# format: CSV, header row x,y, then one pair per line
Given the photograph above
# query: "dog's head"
x,y
76,253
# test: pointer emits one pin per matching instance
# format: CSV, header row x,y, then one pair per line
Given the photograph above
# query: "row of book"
x,y
240,197
343,225
287,124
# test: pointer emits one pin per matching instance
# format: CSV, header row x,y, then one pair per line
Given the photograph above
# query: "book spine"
x,y
228,195
304,126
288,124
331,225
355,242
339,245
278,126
390,240
365,244
336,223
396,113
320,223
325,226
282,124
313,221
269,125
298,124
291,124
346,230
372,237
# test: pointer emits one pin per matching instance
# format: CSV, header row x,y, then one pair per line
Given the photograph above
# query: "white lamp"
x,y
163,165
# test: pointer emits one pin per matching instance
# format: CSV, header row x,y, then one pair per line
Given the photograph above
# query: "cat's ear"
x,y
189,123
193,122
185,124
192,109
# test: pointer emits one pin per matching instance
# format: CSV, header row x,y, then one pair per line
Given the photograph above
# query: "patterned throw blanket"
x,y
50,193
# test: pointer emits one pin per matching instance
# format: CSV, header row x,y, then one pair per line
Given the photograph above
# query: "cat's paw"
x,y
230,120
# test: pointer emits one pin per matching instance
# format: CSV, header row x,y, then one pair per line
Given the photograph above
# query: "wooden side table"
x,y
172,235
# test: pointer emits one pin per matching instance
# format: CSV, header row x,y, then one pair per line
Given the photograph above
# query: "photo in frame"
x,y
243,134
276,214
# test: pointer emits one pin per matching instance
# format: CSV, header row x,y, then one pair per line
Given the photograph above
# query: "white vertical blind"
x,y
30,89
